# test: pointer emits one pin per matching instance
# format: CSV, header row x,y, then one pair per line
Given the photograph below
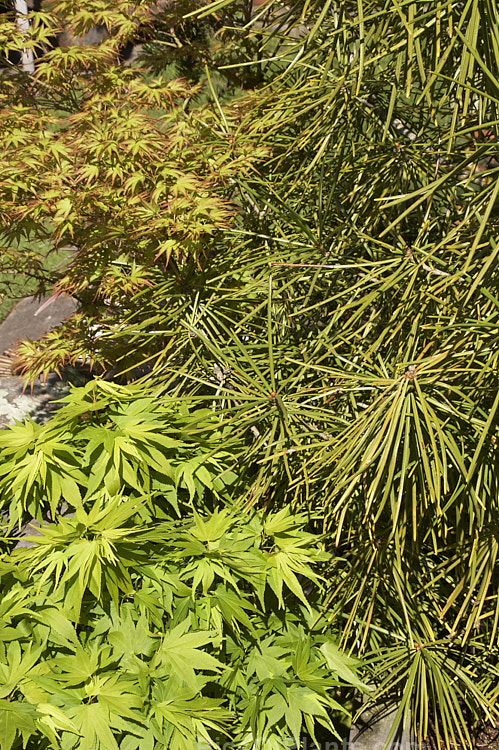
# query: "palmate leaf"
x,y
341,665
302,704
81,170
51,720
180,653
180,718
106,706
381,321
62,631
16,601
17,667
16,720
130,638
37,460
166,666
266,662
92,722
232,607
81,552
344,326
280,703
155,452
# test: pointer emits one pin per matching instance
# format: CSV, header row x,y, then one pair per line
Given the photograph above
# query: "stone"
x,y
30,319
372,729
17,403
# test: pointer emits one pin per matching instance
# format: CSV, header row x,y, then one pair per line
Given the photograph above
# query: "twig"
x,y
433,271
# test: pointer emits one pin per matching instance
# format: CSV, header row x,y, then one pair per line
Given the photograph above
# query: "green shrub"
x,y
154,611
342,321
108,440
117,167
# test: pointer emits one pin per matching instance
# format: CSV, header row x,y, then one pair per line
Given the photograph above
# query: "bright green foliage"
x,y
344,325
357,317
151,613
108,441
351,331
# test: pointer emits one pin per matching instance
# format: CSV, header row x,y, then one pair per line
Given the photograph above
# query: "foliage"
x,y
39,264
111,439
153,612
352,331
185,42
107,163
343,324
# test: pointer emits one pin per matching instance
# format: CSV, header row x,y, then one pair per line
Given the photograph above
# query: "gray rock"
x,y
30,529
372,729
16,403
31,318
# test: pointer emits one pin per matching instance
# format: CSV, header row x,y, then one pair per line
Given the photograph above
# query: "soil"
x,y
486,738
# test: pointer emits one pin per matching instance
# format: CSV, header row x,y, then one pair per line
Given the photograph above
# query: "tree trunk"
x,y
27,59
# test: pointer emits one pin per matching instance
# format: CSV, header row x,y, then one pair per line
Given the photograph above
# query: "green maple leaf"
x,y
92,721
129,637
17,667
16,718
181,654
342,665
